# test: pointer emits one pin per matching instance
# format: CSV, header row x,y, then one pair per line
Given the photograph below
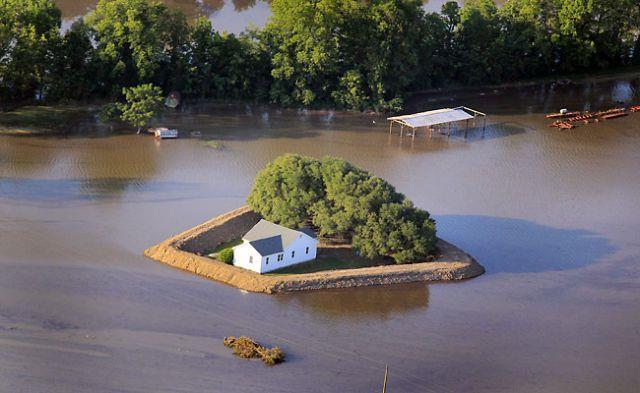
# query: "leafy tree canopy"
x,y
142,103
342,200
132,38
29,30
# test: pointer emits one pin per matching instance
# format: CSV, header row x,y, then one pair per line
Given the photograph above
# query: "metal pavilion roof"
x,y
430,118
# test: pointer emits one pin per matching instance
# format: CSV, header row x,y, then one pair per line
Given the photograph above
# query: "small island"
x,y
353,229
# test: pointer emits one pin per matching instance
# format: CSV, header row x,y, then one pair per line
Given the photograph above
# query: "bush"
x,y
226,255
342,200
246,347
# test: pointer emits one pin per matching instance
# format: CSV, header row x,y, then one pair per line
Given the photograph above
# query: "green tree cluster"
x,y
142,103
343,201
351,54
121,44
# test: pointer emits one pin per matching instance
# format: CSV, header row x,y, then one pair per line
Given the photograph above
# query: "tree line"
x,y
353,54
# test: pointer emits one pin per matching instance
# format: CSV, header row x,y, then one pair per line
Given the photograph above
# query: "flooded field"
x,y
554,217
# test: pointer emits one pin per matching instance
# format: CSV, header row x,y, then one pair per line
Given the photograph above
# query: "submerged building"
x,y
268,246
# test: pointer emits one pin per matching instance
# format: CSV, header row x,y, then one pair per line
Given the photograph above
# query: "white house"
x,y
268,246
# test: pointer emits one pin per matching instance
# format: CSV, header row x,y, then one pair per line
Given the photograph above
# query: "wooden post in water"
x,y
384,384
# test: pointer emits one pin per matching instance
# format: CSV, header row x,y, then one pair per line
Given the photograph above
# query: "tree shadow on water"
x,y
507,245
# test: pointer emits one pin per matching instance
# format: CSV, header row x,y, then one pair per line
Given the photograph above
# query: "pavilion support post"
x,y
390,126
401,129
484,124
466,130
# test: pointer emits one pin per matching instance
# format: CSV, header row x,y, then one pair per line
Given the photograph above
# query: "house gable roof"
x,y
270,238
268,246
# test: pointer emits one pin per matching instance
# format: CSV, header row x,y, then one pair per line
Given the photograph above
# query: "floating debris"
x,y
614,115
569,118
563,125
214,145
561,115
247,348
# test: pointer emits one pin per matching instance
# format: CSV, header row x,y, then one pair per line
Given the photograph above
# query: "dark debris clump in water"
x,y
247,348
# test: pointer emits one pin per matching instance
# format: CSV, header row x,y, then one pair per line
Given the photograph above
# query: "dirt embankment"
x,y
184,251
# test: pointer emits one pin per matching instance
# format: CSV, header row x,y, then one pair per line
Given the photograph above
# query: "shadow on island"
x,y
507,245
362,303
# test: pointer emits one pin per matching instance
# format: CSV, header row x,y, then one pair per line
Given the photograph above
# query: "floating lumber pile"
x,y
613,115
561,115
247,348
586,117
563,125
569,118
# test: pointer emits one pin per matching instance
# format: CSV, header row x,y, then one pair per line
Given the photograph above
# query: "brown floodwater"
x,y
553,216
232,16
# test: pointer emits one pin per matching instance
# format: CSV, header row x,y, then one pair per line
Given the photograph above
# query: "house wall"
x,y
242,255
299,246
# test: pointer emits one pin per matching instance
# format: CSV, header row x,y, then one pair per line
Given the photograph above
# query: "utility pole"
x,y
386,373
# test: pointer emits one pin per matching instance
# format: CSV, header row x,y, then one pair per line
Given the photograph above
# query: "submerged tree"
x,y
142,104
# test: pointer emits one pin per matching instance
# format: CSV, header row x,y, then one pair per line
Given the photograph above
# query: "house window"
x,y
306,251
250,258
280,257
293,254
267,260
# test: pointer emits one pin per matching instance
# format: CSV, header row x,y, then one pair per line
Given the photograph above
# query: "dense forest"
x,y
354,54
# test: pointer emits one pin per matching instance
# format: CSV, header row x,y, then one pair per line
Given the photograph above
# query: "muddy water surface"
x,y
553,216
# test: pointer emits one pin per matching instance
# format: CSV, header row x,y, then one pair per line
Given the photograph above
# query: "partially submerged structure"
x,y
268,246
429,120
164,132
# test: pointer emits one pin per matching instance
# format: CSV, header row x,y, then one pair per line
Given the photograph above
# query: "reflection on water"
x,y
232,16
83,169
362,303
